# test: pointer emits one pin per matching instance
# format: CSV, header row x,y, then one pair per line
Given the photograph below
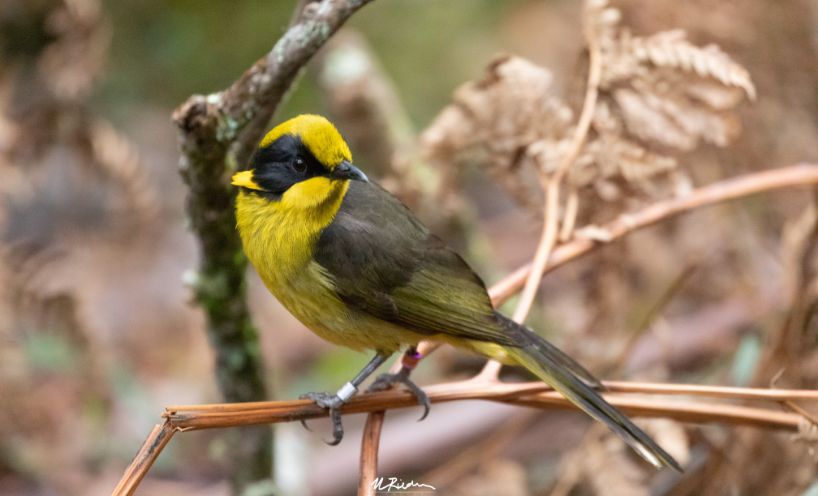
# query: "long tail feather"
x,y
559,371
551,351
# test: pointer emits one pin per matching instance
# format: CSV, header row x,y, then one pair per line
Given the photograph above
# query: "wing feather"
x,y
386,263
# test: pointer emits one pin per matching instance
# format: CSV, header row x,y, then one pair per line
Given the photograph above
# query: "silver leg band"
x,y
348,390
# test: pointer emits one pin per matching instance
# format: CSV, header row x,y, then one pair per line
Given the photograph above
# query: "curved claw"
x,y
337,427
385,381
423,399
331,402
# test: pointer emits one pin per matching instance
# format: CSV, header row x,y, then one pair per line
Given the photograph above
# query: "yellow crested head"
x,y
305,154
317,134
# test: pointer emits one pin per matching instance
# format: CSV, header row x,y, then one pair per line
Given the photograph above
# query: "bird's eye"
x,y
299,165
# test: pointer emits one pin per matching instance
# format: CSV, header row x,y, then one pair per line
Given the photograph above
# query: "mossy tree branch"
x,y
218,133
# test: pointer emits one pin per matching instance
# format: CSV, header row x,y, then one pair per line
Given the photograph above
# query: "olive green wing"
x,y
385,263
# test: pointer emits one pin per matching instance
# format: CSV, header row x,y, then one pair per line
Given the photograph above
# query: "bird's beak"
x,y
346,170
245,179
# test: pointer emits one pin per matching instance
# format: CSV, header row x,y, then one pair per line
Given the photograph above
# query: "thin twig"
x,y
790,340
795,407
551,185
729,189
150,449
549,236
591,96
369,452
530,394
470,389
569,219
721,392
697,413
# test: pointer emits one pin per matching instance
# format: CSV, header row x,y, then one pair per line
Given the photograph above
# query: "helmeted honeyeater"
x,y
355,266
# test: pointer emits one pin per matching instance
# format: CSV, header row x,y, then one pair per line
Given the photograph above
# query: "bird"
x,y
356,267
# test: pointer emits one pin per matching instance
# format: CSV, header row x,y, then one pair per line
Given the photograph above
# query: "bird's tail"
x,y
560,372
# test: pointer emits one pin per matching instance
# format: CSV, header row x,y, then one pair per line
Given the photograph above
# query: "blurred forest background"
x,y
98,333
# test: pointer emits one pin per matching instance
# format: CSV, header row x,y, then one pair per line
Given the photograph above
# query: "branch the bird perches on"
x,y
184,418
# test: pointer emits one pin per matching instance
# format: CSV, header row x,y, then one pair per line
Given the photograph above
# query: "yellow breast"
x,y
279,238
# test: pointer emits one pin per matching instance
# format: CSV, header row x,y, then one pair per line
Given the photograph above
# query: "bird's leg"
x,y
334,401
408,363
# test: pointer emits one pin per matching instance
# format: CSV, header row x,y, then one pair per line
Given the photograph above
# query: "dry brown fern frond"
x,y
656,112
658,95
631,57
668,91
72,189
611,157
74,61
503,120
118,159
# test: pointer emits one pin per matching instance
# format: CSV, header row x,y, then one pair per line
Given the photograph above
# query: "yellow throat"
x,y
279,236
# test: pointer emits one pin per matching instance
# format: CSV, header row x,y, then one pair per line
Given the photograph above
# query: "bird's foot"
x,y
386,381
333,403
